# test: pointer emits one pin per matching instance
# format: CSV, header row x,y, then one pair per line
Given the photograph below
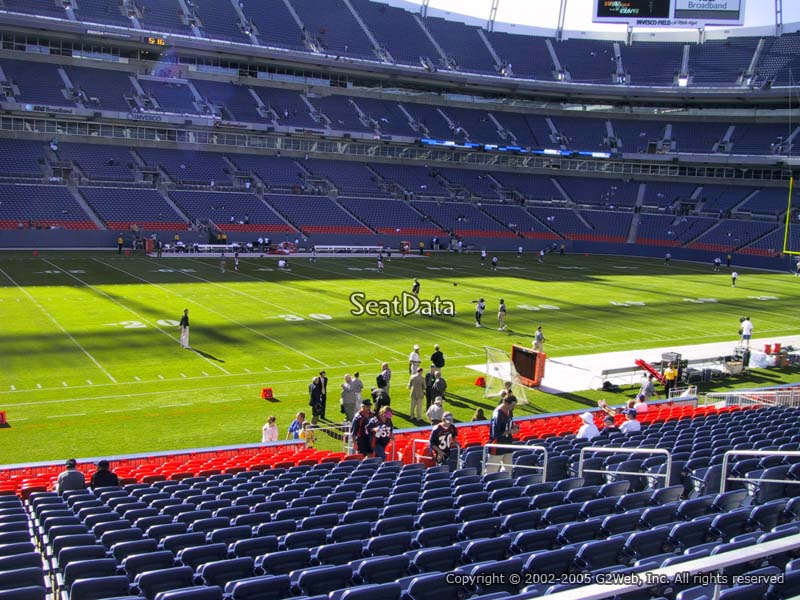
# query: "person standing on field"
x,y
437,358
501,315
538,340
184,327
416,385
734,277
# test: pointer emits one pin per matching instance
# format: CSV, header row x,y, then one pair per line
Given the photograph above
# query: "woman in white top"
x,y
640,406
588,430
269,433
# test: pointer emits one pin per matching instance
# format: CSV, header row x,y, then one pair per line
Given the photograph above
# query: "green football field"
x,y
91,364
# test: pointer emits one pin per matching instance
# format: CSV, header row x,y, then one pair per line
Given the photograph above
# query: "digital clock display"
x,y
156,41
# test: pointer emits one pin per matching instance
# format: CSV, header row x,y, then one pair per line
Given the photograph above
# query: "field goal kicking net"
x,y
500,369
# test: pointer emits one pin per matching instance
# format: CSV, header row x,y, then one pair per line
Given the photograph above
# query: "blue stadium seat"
x,y
496,576
441,535
534,540
436,517
176,543
28,577
622,523
487,549
151,583
254,547
99,587
488,527
351,531
87,569
641,544
389,544
221,572
282,562
599,507
693,533
303,539
380,569
600,554
321,580
429,560
393,525
521,521
585,531
337,554
386,591
434,586
31,592
197,592
197,555
68,555
265,587
730,524
151,561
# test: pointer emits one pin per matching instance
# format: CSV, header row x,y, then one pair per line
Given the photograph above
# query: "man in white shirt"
x,y
588,430
631,425
413,360
747,331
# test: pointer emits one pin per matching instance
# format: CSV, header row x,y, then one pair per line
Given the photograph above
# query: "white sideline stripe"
x,y
89,381
204,373
161,377
172,405
39,385
78,387
221,401
22,419
70,415
118,303
249,371
211,310
137,378
183,375
59,325
119,410
412,272
287,367
306,366
290,311
130,310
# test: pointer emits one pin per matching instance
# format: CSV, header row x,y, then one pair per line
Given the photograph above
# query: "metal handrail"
x,y
620,450
726,462
515,448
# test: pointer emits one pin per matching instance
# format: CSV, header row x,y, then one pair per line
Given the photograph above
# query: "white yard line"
x,y
142,318
400,322
288,310
211,310
60,326
150,381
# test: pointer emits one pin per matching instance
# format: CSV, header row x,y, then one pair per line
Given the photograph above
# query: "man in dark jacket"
x,y
437,358
103,477
315,399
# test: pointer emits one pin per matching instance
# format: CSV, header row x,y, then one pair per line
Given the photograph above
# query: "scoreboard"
x,y
669,13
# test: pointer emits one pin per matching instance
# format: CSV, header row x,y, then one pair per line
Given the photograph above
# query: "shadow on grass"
x,y
207,355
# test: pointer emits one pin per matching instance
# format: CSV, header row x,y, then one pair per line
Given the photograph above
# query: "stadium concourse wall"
x,y
66,239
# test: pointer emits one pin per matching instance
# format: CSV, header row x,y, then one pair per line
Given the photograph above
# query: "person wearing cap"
x,y
443,438
416,383
436,411
588,430
380,431
631,425
358,429
437,358
71,479
103,477
501,431
414,360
